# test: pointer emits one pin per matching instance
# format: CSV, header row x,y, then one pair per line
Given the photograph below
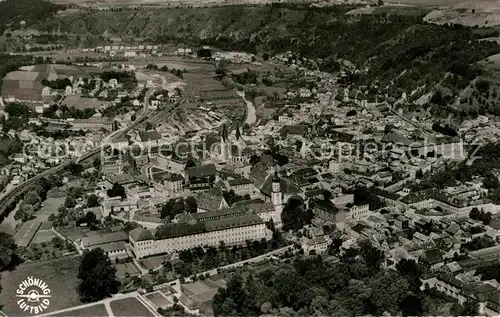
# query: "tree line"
x,y
357,285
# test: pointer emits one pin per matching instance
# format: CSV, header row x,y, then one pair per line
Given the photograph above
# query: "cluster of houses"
x,y
321,152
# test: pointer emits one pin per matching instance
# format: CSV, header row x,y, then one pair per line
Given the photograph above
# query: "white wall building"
x,y
182,236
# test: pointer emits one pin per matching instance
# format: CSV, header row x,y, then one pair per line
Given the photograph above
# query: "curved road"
x,y
11,195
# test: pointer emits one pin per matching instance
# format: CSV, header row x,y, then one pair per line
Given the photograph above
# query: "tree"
x,y
372,256
179,206
388,128
129,226
231,197
8,251
474,213
351,113
388,291
293,214
76,169
363,196
470,308
254,159
412,271
221,73
90,218
167,209
334,247
292,289
75,192
58,242
437,98
482,86
117,191
419,174
97,276
31,198
149,126
480,215
358,294
27,211
491,181
70,202
191,204
92,201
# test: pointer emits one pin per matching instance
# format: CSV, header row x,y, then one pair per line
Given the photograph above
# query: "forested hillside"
x,y
390,46
12,12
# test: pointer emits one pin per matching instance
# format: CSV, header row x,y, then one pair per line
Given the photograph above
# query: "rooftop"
x,y
173,230
210,200
92,241
151,135
140,234
239,181
205,170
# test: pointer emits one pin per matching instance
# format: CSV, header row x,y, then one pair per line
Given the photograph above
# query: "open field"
x,y
161,3
158,299
26,232
165,290
72,234
393,9
158,175
129,307
50,206
81,103
430,3
154,262
60,275
468,12
43,236
97,310
123,268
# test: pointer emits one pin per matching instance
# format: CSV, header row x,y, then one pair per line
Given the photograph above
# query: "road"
x,y
256,259
11,195
416,125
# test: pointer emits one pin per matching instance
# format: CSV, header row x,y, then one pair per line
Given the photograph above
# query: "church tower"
x,y
277,197
224,142
238,134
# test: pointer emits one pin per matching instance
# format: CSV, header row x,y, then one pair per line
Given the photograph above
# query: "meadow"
x,y
59,274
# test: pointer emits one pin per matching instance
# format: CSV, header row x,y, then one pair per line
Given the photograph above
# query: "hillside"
x,y
388,45
469,13
29,11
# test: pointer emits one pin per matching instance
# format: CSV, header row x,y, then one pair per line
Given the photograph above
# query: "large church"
x,y
234,148
274,191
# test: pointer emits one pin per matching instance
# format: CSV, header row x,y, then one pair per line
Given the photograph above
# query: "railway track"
x,y
10,196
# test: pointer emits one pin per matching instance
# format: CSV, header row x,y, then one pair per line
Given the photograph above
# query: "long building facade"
x,y
186,235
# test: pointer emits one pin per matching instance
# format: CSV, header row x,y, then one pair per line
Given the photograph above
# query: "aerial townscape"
x,y
249,158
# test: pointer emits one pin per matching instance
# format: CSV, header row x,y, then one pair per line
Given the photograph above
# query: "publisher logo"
x,y
33,296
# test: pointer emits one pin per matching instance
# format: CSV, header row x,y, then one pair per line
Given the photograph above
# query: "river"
x,y
251,115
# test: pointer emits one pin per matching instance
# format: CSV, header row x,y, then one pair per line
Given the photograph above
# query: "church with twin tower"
x,y
231,150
